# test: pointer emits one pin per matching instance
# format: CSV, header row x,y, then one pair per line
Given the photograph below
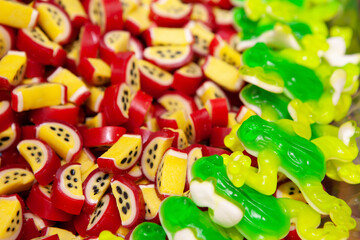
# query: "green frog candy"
x,y
299,82
182,219
279,148
255,215
268,105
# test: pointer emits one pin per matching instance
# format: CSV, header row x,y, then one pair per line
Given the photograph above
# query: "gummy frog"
x,y
299,82
279,148
182,219
253,214
268,105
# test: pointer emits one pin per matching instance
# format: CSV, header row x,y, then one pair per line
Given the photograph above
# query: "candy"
x,y
289,159
189,223
253,214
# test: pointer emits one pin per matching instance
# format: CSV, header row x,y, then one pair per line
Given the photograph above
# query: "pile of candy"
x,y
193,120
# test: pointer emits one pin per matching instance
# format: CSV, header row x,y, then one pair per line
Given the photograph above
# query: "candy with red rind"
x,y
28,97
138,20
218,111
152,203
37,46
209,90
180,140
129,200
89,41
12,69
112,43
229,35
223,18
95,71
163,36
171,173
203,13
28,16
157,144
77,91
139,107
202,37
62,233
223,4
6,115
122,155
169,57
94,187
54,21
222,50
62,137
12,218
137,47
75,11
154,80
217,136
209,151
42,159
67,113
39,202
7,34
223,74
174,100
188,78
15,178
199,126
38,221
67,194
81,222
124,69
175,120
95,101
52,237
105,217
9,137
34,80
102,136
30,230
105,13
144,133
194,153
135,173
118,98
170,13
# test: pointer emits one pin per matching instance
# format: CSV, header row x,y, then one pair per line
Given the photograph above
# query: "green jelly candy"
x,y
264,216
299,82
268,105
299,158
148,231
180,216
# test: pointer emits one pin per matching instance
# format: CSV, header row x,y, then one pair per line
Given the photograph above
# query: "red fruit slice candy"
x,y
67,194
42,159
12,219
94,187
117,99
39,202
170,13
129,200
123,155
124,69
102,136
105,217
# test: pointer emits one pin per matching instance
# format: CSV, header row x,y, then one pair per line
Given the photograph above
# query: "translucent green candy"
x,y
264,217
299,82
148,231
269,106
180,216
